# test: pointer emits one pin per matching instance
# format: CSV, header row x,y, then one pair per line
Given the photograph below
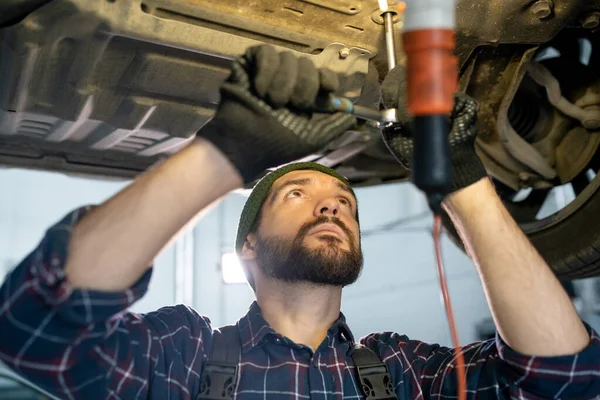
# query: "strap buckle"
x,y
218,381
376,382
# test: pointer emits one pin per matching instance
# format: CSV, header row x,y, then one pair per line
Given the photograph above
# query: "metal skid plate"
x,y
109,88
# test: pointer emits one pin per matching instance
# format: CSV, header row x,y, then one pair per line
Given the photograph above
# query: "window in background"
x,y
231,269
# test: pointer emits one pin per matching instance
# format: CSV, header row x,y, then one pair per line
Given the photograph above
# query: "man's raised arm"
x,y
112,246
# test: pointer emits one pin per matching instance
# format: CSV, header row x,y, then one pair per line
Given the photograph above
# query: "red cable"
x,y
460,360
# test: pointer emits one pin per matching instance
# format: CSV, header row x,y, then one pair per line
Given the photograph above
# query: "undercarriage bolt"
x,y
542,8
524,177
592,118
345,52
591,20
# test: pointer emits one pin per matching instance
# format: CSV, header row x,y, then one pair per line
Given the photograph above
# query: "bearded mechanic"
x,y
64,318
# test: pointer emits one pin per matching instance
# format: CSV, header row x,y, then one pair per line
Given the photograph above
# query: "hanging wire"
x,y
460,360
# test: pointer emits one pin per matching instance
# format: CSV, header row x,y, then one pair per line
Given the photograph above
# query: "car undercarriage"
x,y
110,87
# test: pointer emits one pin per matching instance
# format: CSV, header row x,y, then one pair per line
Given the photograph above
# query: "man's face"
x,y
308,231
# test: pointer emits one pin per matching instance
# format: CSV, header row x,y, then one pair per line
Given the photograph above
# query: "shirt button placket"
x,y
315,380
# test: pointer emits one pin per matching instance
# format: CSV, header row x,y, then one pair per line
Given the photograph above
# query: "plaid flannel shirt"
x,y
83,344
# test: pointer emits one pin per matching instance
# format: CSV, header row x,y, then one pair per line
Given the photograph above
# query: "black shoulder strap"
x,y
373,374
219,374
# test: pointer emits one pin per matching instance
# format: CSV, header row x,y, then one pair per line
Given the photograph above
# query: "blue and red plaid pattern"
x,y
82,344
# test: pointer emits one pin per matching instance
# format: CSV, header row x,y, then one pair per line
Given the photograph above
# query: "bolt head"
x,y
591,20
345,52
541,9
524,177
591,123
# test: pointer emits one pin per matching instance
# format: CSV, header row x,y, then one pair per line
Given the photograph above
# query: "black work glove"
x,y
467,168
265,117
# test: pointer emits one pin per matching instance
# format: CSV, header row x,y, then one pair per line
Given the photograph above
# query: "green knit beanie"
x,y
259,193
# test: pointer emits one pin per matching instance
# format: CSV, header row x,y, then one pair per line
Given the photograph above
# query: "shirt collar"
x,y
254,329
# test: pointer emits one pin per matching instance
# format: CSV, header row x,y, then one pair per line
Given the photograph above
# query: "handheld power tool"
x,y
432,74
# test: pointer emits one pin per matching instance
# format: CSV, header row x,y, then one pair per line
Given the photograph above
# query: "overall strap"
x,y
373,375
219,374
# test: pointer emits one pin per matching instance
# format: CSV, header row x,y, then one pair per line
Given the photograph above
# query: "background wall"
x,y
397,291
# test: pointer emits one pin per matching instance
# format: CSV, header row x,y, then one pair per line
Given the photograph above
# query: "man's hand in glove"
x,y
266,115
466,165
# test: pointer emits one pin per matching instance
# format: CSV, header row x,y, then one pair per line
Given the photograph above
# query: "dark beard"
x,y
291,261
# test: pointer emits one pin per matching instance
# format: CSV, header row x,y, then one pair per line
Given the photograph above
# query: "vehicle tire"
x,y
570,243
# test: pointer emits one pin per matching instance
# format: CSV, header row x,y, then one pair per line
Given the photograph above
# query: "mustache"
x,y
323,220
